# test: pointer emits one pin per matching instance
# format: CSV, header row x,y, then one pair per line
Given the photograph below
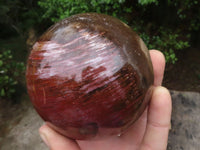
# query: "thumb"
x,y
55,141
158,122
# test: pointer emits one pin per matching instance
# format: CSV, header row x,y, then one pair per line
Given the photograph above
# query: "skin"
x,y
149,132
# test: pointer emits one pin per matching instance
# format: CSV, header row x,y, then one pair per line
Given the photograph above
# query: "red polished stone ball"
x,y
89,76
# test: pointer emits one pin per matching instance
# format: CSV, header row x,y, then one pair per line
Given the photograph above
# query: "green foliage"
x,y
146,2
10,72
168,25
188,12
167,42
60,9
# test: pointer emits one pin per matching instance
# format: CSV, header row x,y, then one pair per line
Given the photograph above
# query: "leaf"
x,y
2,92
146,2
1,63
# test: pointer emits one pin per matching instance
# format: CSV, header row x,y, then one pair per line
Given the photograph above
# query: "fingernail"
x,y
44,138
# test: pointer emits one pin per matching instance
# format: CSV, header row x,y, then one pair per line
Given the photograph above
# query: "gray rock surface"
x,y
184,135
185,132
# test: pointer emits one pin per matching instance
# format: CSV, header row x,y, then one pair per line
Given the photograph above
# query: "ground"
x,y
185,74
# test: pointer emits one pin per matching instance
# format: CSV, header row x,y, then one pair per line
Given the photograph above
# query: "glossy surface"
x,y
89,76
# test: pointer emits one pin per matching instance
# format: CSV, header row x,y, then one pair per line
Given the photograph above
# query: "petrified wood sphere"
x,y
89,76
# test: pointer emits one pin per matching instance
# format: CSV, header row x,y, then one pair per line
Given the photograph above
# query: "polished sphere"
x,y
89,76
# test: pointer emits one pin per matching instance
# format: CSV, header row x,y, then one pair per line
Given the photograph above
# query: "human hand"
x,y
149,132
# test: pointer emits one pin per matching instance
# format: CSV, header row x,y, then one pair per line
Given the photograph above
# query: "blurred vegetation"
x,y
10,72
170,26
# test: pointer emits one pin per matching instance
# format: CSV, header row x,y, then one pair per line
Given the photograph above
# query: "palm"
x,y
130,140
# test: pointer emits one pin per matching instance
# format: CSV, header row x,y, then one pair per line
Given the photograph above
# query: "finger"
x,y
158,121
158,62
56,141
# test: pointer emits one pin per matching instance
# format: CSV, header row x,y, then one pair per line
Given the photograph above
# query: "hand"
x,y
149,132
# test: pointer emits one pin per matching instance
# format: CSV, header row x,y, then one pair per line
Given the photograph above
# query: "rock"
x,y
184,134
185,131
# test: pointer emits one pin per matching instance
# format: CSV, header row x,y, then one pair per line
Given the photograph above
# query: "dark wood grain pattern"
x,y
89,76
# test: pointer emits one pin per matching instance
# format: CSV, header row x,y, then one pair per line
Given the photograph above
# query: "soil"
x,y
185,74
